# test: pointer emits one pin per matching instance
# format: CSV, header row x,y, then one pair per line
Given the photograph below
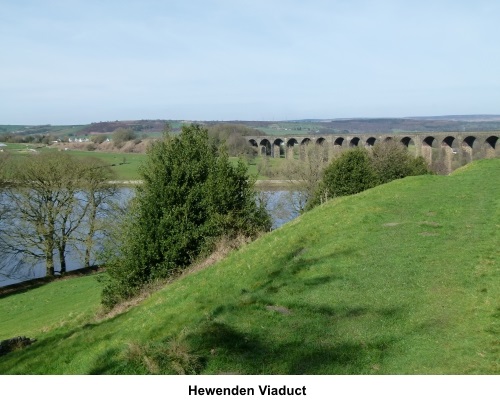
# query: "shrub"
x,y
122,135
99,138
351,173
391,161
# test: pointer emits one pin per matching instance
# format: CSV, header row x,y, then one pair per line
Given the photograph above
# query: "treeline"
x,y
36,134
229,136
232,136
45,139
136,126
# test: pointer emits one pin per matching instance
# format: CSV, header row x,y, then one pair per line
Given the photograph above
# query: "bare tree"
x,y
97,195
4,156
304,175
3,206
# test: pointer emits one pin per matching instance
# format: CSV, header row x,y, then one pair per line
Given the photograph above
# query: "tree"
x,y
99,138
350,173
305,175
122,135
4,156
357,170
232,135
96,197
3,203
190,198
46,206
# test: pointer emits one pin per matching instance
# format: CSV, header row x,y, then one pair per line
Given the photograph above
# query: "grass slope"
x,y
401,279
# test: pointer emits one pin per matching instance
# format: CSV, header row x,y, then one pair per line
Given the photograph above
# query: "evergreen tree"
x,y
191,196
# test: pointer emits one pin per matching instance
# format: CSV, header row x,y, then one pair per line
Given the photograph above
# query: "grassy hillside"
x,y
48,307
400,279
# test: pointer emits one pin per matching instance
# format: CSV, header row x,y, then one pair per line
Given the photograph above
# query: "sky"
x,y
82,61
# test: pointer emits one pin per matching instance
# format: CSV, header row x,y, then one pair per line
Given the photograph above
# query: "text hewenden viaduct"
x,y
452,148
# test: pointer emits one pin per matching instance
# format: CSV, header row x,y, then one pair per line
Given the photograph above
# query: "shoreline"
x,y
27,285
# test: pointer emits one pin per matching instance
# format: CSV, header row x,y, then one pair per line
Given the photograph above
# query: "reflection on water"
x,y
280,204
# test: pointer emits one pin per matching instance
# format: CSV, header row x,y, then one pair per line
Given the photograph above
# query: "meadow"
x,y
126,165
403,278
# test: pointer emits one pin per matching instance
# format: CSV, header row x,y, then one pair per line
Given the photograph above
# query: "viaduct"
x,y
453,149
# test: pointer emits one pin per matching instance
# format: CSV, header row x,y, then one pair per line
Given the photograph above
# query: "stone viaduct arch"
x,y
444,150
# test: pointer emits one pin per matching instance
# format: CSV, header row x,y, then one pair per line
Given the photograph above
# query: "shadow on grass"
x,y
40,355
309,342
107,362
292,264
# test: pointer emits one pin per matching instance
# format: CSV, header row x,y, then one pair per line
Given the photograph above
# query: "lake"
x,y
279,203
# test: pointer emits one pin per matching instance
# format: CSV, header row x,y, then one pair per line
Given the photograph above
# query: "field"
x,y
126,165
41,130
290,128
400,279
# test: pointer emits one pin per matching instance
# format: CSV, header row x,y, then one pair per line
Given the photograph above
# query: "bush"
x,y
391,161
357,170
233,137
122,135
99,138
191,197
351,173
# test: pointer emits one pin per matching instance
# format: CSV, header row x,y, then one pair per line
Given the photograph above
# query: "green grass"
x,y
125,165
400,279
255,167
19,147
49,306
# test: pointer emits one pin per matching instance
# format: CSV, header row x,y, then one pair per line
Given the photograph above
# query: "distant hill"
x,y
472,118
458,123
447,123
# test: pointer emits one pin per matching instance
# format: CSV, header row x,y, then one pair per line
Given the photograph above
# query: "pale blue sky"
x,y
81,61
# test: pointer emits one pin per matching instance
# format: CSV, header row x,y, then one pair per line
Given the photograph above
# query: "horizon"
x,y
91,61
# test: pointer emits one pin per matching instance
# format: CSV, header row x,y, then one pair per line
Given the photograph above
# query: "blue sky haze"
x,y
76,61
